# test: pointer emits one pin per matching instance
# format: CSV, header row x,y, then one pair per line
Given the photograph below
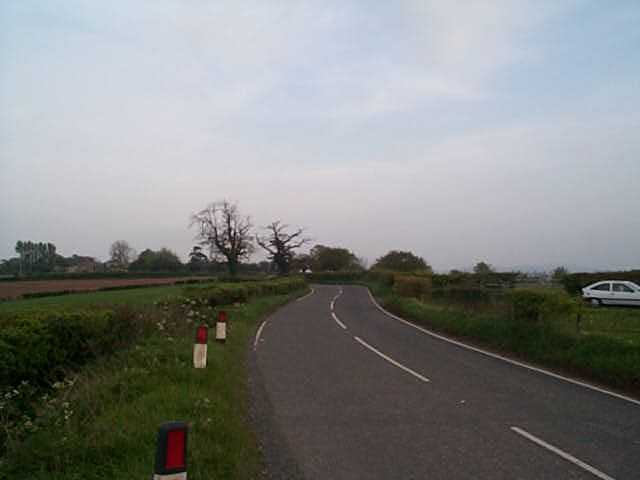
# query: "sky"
x,y
497,131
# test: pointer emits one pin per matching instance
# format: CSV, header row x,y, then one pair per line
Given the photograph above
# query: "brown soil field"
x,y
17,289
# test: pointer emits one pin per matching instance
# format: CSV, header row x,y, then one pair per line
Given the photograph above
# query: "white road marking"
x,y
391,360
338,321
563,454
257,339
500,357
333,301
307,295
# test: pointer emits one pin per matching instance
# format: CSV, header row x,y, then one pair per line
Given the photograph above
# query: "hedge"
x,y
534,305
223,294
462,294
411,286
39,348
335,277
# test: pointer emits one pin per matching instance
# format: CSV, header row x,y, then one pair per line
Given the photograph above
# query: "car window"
x,y
621,287
603,287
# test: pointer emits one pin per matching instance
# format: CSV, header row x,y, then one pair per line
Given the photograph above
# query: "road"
x,y
352,393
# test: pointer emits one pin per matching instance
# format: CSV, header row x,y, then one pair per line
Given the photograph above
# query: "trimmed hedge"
x,y
224,294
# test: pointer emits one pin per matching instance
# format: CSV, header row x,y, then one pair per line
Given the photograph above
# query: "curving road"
x,y
348,392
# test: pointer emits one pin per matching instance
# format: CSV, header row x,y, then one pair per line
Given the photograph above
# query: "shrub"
x,y
412,286
533,305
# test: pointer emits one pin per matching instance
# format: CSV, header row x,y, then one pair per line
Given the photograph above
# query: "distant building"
x,y
80,264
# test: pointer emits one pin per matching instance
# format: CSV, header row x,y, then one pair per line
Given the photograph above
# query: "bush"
x,y
534,305
412,285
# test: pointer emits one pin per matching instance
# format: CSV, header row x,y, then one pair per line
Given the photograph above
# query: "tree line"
x,y
226,239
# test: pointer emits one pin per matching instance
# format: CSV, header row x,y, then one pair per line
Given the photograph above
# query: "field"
x,y
17,289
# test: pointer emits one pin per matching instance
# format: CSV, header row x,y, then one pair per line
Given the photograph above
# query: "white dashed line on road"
x,y
259,332
561,453
338,321
307,295
391,360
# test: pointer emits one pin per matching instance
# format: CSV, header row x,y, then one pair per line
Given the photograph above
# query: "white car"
x,y
612,292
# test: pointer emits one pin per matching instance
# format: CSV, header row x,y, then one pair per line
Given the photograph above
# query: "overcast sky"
x,y
507,132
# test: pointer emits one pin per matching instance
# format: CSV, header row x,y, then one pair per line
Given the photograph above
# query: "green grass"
x,y
615,322
103,425
134,297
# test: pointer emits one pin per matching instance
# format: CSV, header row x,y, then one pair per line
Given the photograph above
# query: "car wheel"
x,y
595,302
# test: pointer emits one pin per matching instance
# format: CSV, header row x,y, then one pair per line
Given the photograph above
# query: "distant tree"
x,y
35,257
401,261
280,244
10,266
163,260
482,268
559,273
325,258
225,232
121,254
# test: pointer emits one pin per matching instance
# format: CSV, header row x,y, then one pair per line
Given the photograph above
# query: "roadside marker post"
x,y
200,347
171,452
221,327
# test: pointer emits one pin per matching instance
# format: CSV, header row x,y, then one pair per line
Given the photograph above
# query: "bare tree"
x,y
121,254
280,244
225,232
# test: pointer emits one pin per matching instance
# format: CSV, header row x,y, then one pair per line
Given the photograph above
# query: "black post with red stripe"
x,y
171,452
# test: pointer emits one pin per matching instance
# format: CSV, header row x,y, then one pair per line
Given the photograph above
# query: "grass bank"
x,y
605,349
101,422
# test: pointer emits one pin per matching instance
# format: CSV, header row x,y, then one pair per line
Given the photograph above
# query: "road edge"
x,y
500,357
277,456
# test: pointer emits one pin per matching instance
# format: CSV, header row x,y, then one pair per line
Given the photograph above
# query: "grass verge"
x,y
609,359
102,422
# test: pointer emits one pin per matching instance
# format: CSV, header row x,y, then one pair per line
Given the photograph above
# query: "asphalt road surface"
x,y
349,392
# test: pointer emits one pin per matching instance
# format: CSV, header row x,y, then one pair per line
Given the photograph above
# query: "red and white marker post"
x,y
200,347
171,452
221,327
